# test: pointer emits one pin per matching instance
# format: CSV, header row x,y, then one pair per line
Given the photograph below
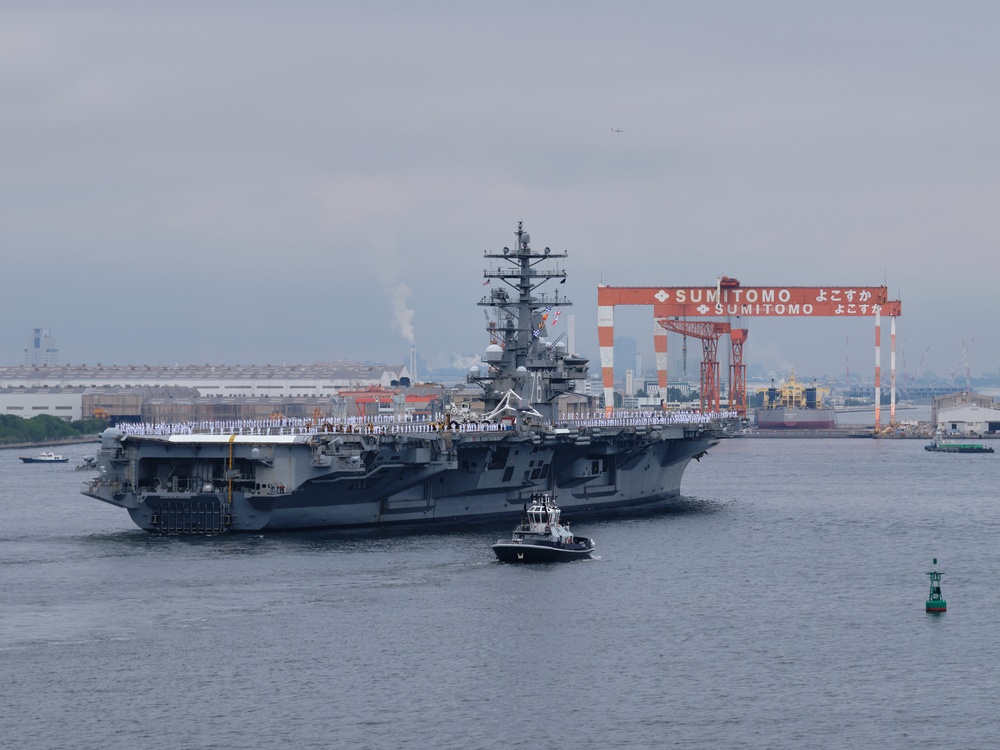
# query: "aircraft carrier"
x,y
330,474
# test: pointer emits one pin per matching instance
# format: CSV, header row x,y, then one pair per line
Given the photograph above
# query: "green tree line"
x,y
45,427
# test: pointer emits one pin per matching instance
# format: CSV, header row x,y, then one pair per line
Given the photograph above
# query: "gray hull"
x,y
788,418
244,483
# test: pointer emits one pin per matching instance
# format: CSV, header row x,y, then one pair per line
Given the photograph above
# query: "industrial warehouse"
x,y
181,393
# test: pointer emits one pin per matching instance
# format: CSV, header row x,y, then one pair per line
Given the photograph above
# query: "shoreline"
x,y
837,433
57,441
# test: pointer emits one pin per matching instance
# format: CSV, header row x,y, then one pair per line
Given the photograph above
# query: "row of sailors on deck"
x,y
649,418
384,425
285,425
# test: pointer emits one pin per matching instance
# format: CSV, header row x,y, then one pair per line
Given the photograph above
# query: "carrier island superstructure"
x,y
245,478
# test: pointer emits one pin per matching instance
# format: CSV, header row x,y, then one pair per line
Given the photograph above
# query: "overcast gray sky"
x,y
310,181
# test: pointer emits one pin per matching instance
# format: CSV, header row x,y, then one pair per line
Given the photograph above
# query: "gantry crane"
x,y
728,298
709,332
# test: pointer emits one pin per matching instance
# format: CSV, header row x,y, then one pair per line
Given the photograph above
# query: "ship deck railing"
x,y
401,427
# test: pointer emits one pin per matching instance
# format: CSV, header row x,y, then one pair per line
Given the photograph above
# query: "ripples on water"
x,y
780,604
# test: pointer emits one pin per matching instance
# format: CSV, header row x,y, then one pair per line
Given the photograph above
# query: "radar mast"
x,y
521,357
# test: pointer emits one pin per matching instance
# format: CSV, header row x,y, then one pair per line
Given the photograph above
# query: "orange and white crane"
x,y
728,298
710,388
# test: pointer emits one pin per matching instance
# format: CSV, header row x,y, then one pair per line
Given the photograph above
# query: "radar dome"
x,y
474,370
494,353
111,436
561,347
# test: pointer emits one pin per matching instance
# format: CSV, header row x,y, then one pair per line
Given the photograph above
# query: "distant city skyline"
x,y
629,355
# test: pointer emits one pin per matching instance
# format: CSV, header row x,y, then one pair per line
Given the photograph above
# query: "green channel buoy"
x,y
935,602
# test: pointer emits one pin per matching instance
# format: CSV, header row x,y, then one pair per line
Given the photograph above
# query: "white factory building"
x,y
64,403
968,419
58,390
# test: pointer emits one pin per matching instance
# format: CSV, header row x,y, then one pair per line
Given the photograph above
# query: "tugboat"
x,y
540,537
47,457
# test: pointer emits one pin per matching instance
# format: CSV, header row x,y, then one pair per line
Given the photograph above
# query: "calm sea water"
x,y
779,606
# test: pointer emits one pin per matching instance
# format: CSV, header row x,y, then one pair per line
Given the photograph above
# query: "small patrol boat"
x,y
47,457
540,537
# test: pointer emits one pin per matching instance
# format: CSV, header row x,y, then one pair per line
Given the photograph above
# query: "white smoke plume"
x,y
402,314
464,362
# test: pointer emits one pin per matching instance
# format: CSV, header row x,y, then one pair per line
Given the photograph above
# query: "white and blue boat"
x,y
47,457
